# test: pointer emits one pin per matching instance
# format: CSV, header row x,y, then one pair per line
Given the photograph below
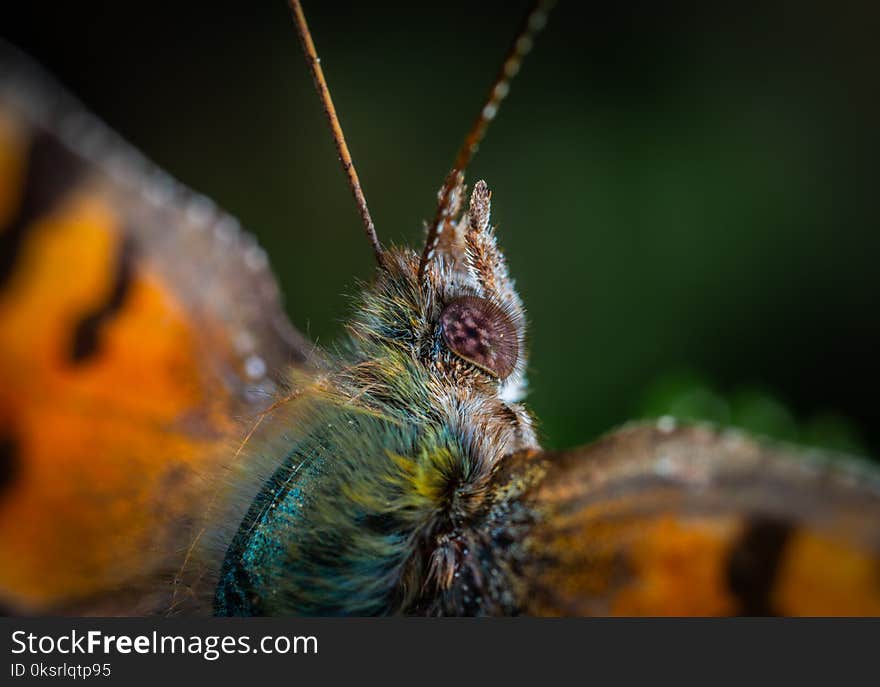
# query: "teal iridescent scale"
x,y
257,548
320,537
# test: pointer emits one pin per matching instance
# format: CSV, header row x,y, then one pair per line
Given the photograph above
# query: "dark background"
x,y
687,195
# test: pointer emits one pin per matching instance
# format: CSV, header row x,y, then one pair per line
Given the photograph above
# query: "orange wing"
x,y
665,520
139,328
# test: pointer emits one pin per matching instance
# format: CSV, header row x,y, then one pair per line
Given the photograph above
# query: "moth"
x,y
170,444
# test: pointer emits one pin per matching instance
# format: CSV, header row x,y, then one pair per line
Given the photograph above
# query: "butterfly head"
x,y
441,345
458,314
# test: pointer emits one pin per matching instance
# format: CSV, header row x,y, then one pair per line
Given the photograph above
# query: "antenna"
x,y
522,44
314,62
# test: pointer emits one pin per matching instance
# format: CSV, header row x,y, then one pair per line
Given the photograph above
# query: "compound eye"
x,y
481,333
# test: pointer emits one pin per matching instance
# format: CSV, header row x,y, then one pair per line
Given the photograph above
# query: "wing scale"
x,y
657,519
140,333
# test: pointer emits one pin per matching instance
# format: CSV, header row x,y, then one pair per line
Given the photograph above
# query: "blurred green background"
x,y
687,195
